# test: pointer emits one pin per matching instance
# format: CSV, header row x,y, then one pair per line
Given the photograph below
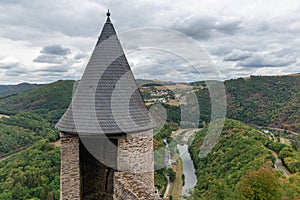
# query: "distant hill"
x,y
265,101
6,90
50,100
4,87
259,100
146,82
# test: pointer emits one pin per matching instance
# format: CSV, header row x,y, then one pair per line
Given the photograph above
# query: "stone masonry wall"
x,y
70,183
126,187
135,163
135,155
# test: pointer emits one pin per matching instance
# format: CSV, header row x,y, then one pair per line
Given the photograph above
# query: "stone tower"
x,y
106,133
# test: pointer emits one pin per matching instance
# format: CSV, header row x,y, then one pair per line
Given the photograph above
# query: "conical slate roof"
x,y
107,100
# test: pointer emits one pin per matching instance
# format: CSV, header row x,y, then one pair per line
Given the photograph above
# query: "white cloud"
x,y
9,62
243,37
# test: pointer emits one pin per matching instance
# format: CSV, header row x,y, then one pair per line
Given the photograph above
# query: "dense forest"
x,y
265,101
241,154
22,130
259,100
32,174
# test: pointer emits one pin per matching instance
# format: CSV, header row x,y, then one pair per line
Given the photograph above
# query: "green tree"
x,y
18,192
259,185
171,174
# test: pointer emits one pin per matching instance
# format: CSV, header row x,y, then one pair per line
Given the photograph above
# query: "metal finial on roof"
x,y
108,13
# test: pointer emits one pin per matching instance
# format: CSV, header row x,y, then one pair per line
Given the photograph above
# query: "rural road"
x,y
19,151
168,187
168,165
279,129
279,166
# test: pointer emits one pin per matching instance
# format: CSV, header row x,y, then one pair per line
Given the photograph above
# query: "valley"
x,y
261,131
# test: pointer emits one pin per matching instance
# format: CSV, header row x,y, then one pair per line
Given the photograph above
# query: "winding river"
x,y
188,169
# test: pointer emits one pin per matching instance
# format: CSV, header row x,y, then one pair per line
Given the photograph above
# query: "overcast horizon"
x,y
45,41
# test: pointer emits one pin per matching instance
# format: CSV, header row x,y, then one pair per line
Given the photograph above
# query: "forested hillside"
x,y
6,90
22,130
241,153
29,128
32,115
259,100
265,101
50,101
32,174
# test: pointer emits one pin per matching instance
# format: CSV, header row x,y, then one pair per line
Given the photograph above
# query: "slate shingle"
x,y
107,100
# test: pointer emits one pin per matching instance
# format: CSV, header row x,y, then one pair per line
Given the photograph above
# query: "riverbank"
x,y
190,178
176,186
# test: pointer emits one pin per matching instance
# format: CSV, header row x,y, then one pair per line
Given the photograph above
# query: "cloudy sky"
x,y
44,41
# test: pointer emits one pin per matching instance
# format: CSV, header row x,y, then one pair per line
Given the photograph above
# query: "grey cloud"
x,y
17,71
8,65
237,55
52,59
9,62
51,16
228,25
55,50
200,28
51,75
56,68
283,52
205,27
267,60
9,1
152,69
53,54
170,59
221,31
25,70
169,69
80,56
